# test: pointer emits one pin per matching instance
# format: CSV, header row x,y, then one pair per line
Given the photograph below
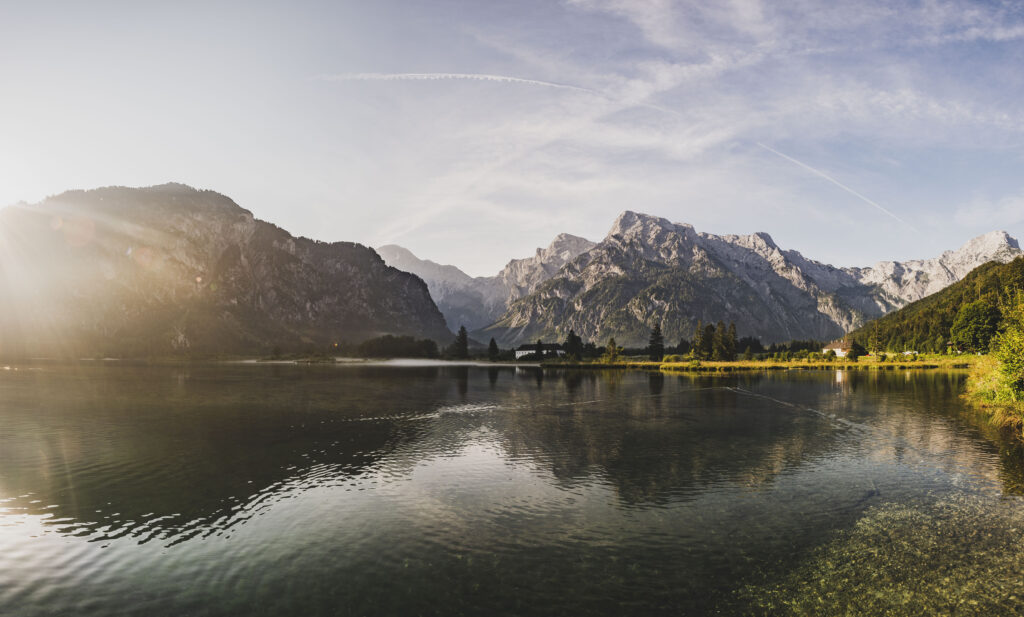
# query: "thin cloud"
x,y
835,182
454,76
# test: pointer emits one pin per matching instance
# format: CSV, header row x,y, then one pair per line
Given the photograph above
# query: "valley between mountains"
x,y
648,270
170,270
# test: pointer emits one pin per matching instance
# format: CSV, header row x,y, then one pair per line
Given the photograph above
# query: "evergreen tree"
x,y
573,346
748,354
974,326
656,344
731,342
856,350
460,348
683,347
539,349
718,336
611,351
698,341
492,351
708,341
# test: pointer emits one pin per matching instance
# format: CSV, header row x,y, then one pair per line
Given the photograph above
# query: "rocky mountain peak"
x,y
402,258
992,245
138,271
765,239
633,225
564,248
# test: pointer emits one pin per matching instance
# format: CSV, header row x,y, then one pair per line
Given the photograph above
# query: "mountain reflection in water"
x,y
438,489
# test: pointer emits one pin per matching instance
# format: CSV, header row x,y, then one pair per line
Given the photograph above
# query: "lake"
x,y
385,489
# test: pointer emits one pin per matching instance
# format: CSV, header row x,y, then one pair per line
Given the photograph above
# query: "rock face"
x,y
480,301
910,281
648,270
169,269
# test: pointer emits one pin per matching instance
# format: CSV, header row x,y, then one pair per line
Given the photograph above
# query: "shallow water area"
x,y
397,489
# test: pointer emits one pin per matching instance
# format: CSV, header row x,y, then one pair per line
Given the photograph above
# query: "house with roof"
x,y
841,348
546,349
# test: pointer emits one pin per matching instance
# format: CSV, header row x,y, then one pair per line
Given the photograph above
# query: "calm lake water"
x,y
446,490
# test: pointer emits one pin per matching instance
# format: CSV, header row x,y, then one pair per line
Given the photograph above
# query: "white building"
x,y
547,349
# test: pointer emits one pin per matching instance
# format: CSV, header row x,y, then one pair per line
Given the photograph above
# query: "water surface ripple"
x,y
446,490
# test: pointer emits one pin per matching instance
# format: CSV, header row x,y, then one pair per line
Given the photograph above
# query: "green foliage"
x,y
718,351
731,342
974,326
459,349
707,346
748,353
612,352
656,344
856,351
573,346
698,340
1008,350
493,353
389,346
925,325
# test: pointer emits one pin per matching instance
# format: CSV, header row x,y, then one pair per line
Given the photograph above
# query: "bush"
x,y
1009,352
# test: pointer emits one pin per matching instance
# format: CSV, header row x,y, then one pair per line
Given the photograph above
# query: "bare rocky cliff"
x,y
476,302
169,269
648,270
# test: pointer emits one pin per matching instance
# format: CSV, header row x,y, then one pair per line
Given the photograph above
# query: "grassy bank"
x,y
864,363
988,390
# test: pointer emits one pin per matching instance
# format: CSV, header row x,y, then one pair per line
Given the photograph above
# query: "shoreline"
x,y
765,366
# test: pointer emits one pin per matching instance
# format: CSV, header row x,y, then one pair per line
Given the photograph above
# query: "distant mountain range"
x,y
648,270
169,269
478,302
927,324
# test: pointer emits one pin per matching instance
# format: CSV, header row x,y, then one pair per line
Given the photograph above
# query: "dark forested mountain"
x,y
650,271
928,324
165,269
476,302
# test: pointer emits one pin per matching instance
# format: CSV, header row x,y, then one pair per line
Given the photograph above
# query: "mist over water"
x,y
384,489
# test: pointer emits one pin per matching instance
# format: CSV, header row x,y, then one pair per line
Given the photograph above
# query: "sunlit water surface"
x,y
447,490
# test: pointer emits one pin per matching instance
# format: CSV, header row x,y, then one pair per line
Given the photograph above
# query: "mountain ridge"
x,y
476,302
170,269
649,270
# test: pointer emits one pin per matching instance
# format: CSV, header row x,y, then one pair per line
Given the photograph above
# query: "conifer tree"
x,y
656,344
730,342
492,350
718,351
708,341
611,351
698,341
573,346
460,348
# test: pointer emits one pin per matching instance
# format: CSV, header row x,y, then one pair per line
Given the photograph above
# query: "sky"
x,y
473,131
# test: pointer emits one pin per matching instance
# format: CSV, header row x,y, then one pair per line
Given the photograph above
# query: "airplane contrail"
x,y
439,76
833,181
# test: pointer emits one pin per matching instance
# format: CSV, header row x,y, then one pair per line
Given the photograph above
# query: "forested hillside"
x,y
966,314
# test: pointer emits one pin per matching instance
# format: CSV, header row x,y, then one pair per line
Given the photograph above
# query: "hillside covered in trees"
x,y
965,315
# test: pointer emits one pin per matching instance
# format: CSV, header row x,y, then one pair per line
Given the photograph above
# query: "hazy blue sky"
x,y
473,131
